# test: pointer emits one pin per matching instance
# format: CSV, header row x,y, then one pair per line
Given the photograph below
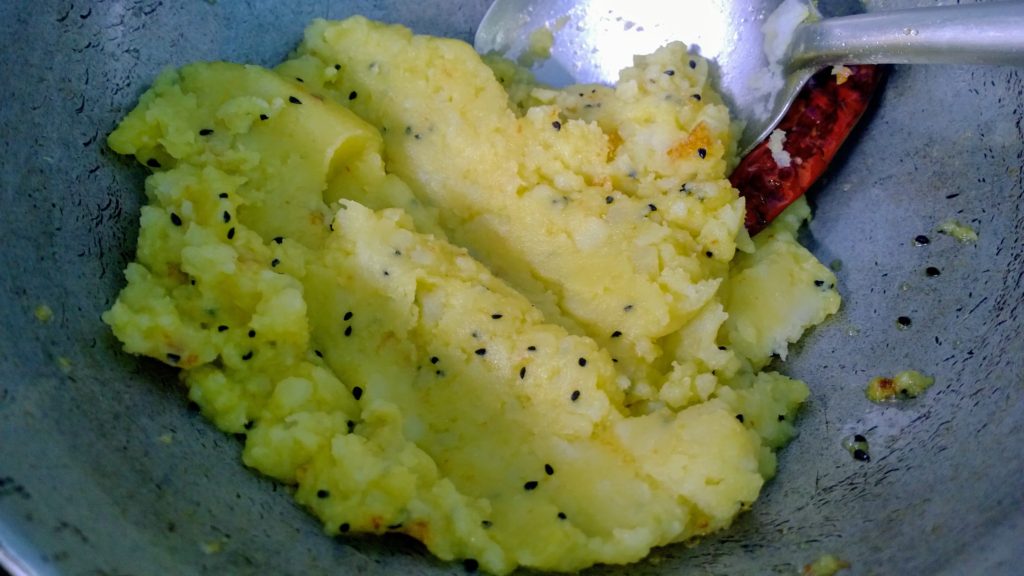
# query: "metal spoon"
x,y
758,68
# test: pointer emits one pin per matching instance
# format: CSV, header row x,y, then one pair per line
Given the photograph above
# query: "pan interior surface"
x,y
104,470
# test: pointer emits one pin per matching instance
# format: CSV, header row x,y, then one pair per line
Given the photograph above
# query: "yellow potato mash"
x,y
524,326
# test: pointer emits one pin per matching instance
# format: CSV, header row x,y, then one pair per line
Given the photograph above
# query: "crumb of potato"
x,y
961,232
43,313
825,565
906,384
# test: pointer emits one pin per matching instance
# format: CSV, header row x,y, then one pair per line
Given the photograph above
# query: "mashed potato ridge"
x,y
518,324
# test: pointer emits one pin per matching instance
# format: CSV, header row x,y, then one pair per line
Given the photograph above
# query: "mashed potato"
x,y
524,326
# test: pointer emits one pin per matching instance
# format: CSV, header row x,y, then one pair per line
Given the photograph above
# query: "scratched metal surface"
x,y
86,487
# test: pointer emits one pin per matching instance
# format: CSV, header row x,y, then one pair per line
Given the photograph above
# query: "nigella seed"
x,y
556,125
693,64
782,417
702,152
496,316
344,527
481,351
575,395
348,331
337,66
861,455
274,263
609,199
294,100
562,516
627,308
522,373
318,353
549,470
353,95
531,348
819,283
249,425
223,195
723,348
173,357
486,523
153,163
357,392
205,132
932,272
395,526
903,322
922,240
264,117
709,254
347,316
652,207
231,233
695,97
670,72
434,359
531,485
252,333
583,362
616,334
222,328
226,216
248,355
859,438
740,418
351,425
278,239
300,80
321,494
175,219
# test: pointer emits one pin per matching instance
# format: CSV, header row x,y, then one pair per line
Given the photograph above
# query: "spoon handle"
x,y
986,33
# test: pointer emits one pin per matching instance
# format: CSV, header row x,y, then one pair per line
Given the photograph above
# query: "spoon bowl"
x,y
763,51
